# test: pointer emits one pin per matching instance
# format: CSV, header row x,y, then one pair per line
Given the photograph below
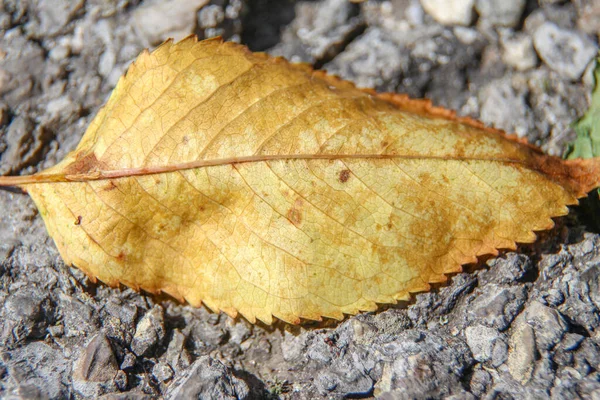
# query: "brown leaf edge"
x,y
580,176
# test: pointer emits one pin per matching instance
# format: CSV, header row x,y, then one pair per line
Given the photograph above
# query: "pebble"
x,y
95,369
505,108
53,15
501,12
522,352
38,371
518,51
79,318
177,356
564,51
162,372
508,269
370,60
24,317
548,324
208,378
450,12
155,20
481,340
150,332
497,306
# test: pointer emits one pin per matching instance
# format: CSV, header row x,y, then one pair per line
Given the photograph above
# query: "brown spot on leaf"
x,y
78,220
344,175
121,257
294,214
109,186
84,163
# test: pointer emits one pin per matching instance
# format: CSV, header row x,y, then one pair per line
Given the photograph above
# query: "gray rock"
x,y
162,372
177,356
78,317
588,12
427,368
481,380
207,379
481,341
501,12
496,306
518,51
319,30
95,370
37,371
566,52
371,60
155,21
450,12
505,108
118,320
150,332
53,16
510,268
25,316
522,353
221,19
548,324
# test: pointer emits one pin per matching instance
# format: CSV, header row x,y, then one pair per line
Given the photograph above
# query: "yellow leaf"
x,y
264,188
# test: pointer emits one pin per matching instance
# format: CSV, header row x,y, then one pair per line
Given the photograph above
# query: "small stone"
x,y
59,53
95,369
210,16
177,356
481,341
239,331
79,318
523,352
162,372
499,353
565,51
467,36
62,108
571,341
518,51
37,370
481,380
107,62
207,379
496,306
121,380
150,332
450,12
156,20
23,316
548,324
371,60
293,347
505,108
589,16
319,30
510,268
501,12
128,361
54,15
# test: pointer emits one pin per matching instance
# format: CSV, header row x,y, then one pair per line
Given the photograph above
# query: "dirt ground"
x,y
523,325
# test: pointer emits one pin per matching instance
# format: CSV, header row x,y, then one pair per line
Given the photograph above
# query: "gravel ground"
x,y
523,325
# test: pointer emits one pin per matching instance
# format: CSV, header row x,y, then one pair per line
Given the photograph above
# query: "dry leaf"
x,y
264,188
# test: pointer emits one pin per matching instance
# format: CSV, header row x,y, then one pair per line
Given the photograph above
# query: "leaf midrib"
x,y
154,170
